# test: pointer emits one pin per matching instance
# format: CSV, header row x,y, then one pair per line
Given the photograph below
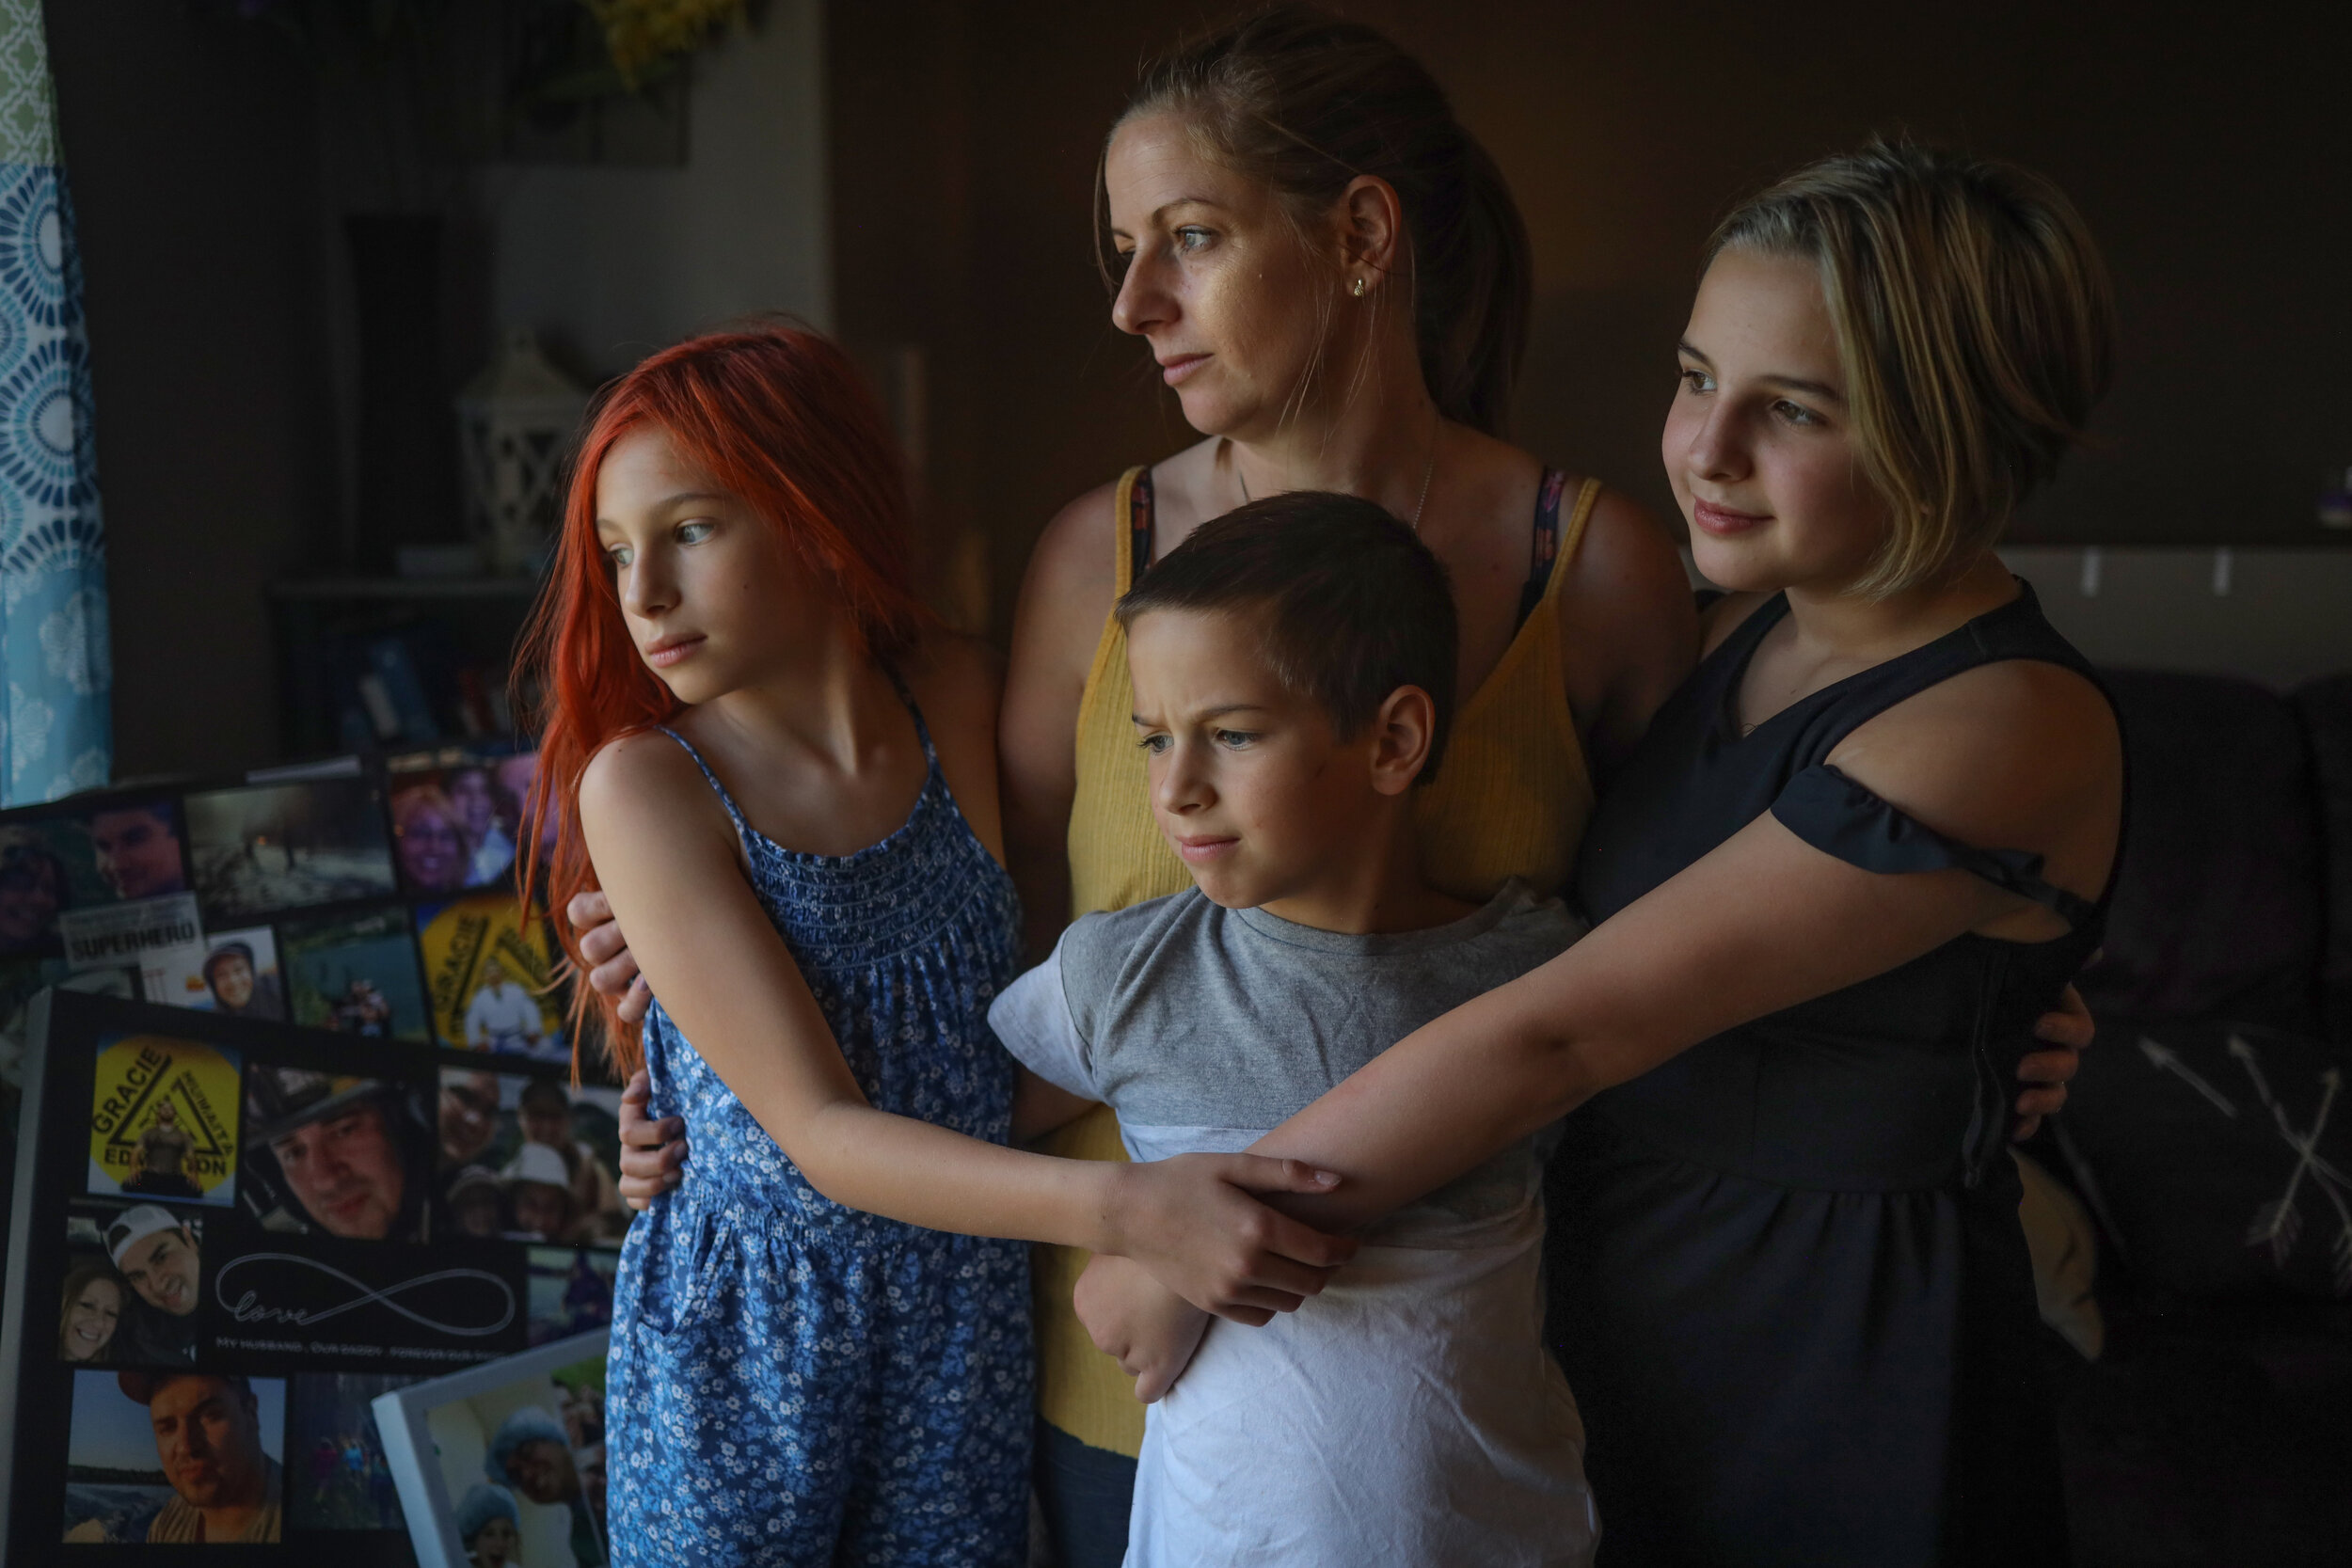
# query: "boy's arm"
x,y
1148,1329
675,879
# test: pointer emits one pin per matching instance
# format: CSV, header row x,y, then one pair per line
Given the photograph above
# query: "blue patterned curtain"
x,y
56,730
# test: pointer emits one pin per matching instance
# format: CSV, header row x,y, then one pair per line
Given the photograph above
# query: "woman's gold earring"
x,y
1360,288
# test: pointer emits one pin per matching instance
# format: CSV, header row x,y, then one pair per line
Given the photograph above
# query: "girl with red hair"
x,y
735,750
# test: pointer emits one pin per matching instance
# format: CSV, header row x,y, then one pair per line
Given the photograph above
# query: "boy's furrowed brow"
x,y
1217,712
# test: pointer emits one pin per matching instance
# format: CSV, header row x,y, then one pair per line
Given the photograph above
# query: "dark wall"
x,y
191,148
2205,145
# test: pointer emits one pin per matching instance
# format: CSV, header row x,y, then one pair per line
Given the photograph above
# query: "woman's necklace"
x,y
1429,472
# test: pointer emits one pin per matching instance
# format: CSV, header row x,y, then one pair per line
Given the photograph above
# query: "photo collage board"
x,y
299,1132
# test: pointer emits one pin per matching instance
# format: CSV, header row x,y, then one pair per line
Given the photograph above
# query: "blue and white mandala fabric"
x,y
56,675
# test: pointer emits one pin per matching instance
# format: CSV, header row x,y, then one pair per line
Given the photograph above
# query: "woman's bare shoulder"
x,y
1626,573
1073,553
1066,592
1628,635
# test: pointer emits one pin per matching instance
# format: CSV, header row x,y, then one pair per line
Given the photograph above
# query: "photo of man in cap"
x,y
208,1437
156,1253
347,1153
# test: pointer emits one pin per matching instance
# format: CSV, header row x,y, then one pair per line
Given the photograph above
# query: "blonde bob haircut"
x,y
1975,326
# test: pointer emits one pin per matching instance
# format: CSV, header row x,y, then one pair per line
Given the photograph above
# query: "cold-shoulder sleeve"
x,y
1838,817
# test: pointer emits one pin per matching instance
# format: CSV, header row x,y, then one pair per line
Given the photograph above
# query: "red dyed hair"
x,y
779,418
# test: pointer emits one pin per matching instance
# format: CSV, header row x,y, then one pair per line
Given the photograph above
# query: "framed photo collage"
x,y
299,1132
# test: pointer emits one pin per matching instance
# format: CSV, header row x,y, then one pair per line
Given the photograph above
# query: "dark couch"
x,y
2207,1136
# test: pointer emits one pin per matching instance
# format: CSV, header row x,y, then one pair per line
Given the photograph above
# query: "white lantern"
x,y
515,425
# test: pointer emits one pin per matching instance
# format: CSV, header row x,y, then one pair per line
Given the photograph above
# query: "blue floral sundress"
x,y
792,1382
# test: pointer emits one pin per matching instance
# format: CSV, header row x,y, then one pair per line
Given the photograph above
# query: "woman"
x,y
433,853
1870,838
94,1308
1331,274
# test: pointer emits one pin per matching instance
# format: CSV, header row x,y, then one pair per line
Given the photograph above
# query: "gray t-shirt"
x,y
1197,1015
1204,1028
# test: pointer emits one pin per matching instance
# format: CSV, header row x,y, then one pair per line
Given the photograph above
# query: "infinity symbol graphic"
x,y
248,1308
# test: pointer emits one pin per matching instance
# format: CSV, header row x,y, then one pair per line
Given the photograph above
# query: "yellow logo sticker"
x,y
487,969
163,1120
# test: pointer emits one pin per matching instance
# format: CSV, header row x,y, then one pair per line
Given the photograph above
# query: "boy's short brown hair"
x,y
1974,323
1352,604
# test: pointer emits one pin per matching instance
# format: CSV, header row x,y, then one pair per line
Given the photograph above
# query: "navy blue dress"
x,y
1789,1283
795,1382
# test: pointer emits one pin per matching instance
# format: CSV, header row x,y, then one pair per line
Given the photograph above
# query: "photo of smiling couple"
x,y
1507,1066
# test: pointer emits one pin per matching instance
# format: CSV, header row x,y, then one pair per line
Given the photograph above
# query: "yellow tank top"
x,y
1511,800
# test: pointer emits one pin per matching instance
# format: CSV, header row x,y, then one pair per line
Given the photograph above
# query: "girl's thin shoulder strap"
x,y
735,813
915,711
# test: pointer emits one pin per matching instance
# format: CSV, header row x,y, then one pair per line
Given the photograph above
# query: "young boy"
x,y
1293,669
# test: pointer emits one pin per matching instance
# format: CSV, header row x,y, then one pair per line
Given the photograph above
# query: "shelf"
x,y
395,589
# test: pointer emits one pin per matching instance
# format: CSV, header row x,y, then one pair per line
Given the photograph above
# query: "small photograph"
x,y
450,832
489,969
530,1159
525,1465
161,937
514,776
230,973
356,974
21,980
121,853
175,1456
261,847
336,1156
134,1273
339,1478
571,1290
163,1120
